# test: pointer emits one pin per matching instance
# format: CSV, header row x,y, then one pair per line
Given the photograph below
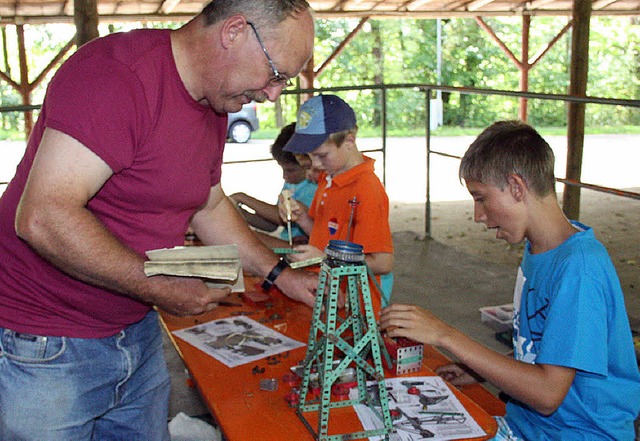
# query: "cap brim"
x,y
301,143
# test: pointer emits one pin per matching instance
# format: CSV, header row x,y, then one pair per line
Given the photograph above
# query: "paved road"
x,y
609,160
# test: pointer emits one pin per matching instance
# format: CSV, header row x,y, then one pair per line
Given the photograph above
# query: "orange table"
x,y
245,412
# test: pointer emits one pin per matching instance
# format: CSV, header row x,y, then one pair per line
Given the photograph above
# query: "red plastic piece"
x,y
340,391
290,379
292,398
255,298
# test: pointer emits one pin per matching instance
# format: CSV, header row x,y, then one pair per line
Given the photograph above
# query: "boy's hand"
x,y
413,322
305,252
297,209
457,374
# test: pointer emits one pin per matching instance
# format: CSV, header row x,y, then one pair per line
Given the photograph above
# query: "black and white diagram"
x,y
422,408
238,340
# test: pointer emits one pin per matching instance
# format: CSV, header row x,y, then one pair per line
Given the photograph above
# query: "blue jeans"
x,y
61,388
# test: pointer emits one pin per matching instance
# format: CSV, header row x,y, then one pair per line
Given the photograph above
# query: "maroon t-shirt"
x,y
120,96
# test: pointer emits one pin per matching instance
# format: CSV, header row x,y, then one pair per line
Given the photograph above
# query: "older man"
x,y
126,154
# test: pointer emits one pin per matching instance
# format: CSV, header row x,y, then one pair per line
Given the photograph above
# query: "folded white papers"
x,y
219,265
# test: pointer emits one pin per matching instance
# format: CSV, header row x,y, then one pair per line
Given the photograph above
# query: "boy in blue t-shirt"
x,y
574,373
264,216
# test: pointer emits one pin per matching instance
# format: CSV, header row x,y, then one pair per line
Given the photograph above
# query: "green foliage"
x,y
403,52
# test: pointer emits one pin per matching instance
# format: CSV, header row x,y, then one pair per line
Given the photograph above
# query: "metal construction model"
x,y
340,340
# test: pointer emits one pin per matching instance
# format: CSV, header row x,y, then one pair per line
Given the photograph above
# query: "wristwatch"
x,y
268,281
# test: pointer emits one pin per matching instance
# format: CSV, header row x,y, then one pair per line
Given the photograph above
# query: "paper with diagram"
x,y
422,408
237,340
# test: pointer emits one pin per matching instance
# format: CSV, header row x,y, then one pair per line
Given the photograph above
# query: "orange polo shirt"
x,y
331,211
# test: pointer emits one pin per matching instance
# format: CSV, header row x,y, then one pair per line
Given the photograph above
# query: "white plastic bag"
x,y
182,427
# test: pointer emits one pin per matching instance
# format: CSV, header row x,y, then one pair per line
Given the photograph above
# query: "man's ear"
x,y
517,186
233,28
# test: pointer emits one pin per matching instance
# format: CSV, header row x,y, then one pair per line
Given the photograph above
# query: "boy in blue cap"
x,y
350,203
574,374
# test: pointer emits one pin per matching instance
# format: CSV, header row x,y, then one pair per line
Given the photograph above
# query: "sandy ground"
x,y
609,160
614,220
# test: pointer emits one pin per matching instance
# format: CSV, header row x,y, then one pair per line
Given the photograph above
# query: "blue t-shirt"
x,y
570,312
302,192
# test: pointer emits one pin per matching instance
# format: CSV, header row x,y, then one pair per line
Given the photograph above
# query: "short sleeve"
x,y
581,342
99,102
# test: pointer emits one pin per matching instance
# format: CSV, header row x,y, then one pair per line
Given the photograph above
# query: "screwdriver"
x,y
286,195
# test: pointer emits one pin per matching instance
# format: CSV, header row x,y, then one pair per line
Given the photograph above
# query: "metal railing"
x,y
428,91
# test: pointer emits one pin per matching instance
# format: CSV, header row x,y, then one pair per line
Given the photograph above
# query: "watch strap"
x,y
268,281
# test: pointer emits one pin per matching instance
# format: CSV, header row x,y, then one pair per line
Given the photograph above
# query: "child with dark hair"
x,y
263,215
574,373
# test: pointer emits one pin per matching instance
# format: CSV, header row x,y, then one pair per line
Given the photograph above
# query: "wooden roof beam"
x,y
339,6
535,4
499,42
546,48
601,4
477,4
412,5
167,6
341,46
67,9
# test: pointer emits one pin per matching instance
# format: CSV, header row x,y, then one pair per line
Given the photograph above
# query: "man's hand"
x,y
299,285
187,296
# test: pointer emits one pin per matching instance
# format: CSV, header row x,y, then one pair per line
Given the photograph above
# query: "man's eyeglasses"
x,y
278,79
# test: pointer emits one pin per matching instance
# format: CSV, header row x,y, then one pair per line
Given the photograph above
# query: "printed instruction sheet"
x,y
425,408
237,340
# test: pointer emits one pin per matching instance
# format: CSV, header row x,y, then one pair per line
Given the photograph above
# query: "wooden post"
x,y
307,77
85,16
524,65
576,111
23,88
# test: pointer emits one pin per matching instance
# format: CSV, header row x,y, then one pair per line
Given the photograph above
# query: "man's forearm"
x,y
79,245
219,223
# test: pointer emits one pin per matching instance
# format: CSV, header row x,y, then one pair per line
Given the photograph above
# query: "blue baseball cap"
x,y
318,118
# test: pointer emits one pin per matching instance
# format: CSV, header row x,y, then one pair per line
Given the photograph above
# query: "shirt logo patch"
x,y
333,226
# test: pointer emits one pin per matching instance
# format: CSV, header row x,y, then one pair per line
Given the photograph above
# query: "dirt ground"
x,y
609,160
614,219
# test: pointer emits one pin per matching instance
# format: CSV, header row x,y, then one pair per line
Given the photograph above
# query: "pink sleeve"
x,y
106,112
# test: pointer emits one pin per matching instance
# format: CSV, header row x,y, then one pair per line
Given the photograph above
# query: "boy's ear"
x,y
350,138
517,186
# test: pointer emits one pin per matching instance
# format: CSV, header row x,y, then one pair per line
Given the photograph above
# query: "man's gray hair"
x,y
265,14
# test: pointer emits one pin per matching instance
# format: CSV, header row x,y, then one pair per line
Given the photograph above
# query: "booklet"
x,y
218,265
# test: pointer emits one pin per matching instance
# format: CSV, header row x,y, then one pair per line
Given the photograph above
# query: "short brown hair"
x,y
339,137
510,147
277,148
